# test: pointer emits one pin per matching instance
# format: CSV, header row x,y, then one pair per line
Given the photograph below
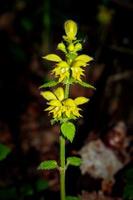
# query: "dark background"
x,y
33,28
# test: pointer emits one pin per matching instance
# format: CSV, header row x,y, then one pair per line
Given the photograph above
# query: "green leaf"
x,y
72,198
68,130
49,84
87,85
50,164
75,161
128,192
41,185
4,151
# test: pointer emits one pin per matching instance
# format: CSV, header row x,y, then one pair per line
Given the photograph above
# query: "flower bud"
x,y
61,47
70,29
78,47
71,47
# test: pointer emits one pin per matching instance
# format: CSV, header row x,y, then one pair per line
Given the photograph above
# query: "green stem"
x,y
62,157
62,169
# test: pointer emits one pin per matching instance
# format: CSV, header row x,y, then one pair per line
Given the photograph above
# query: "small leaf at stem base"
x,y
75,161
49,164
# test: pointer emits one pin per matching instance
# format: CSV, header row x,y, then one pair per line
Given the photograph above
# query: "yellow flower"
x,y
62,70
61,47
78,64
55,102
77,72
70,30
61,107
105,15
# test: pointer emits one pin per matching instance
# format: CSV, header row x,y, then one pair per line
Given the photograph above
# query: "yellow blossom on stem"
x,y
78,63
61,107
70,30
62,70
64,109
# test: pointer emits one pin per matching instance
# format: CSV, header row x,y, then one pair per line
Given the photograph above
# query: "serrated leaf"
x,y
87,85
75,161
4,151
52,57
72,198
68,130
49,164
49,84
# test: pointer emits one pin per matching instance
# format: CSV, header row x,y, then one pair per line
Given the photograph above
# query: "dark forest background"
x,y
30,29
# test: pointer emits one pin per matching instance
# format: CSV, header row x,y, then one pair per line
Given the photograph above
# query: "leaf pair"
x,y
52,164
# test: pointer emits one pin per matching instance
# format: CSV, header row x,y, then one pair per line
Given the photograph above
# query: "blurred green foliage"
x,y
25,190
128,190
4,151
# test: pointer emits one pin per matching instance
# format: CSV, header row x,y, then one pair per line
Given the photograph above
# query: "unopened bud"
x,y
78,47
61,47
71,47
70,29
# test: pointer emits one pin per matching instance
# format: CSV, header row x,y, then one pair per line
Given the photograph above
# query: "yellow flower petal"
x,y
77,72
62,64
69,102
59,92
68,113
81,100
57,112
84,58
76,113
70,29
79,63
48,95
55,103
49,108
52,57
61,71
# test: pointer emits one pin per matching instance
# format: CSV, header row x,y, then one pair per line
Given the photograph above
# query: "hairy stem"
x,y
62,157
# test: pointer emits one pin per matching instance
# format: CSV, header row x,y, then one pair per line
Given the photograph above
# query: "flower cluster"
x,y
73,66
67,71
61,107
